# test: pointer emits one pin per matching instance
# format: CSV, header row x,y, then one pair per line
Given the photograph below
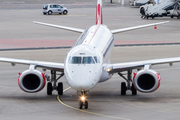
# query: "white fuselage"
x,y
85,63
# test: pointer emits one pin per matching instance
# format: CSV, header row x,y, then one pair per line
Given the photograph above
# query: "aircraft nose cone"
x,y
83,77
82,67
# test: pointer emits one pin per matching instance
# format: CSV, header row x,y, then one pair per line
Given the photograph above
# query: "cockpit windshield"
x,y
84,60
76,60
96,59
88,60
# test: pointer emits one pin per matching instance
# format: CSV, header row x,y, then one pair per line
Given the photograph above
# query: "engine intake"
x,y
146,80
31,81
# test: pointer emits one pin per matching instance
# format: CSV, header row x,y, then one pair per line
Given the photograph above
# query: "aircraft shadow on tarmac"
x,y
111,96
28,98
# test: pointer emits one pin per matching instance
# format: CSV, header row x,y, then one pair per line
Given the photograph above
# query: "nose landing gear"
x,y
83,101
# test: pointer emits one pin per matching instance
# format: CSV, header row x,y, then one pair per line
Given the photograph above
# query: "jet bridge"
x,y
165,8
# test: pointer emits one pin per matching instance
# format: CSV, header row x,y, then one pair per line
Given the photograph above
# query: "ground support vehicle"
x,y
169,8
54,8
137,2
176,11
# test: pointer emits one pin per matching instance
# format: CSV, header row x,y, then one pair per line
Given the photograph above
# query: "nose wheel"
x,y
83,101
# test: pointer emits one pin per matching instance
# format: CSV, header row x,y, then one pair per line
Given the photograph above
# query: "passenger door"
x,y
59,9
53,8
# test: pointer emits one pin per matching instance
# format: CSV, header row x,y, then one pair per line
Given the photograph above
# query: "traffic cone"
x,y
155,27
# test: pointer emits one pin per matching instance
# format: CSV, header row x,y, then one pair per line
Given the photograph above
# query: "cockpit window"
x,y
88,60
83,60
69,59
76,60
96,59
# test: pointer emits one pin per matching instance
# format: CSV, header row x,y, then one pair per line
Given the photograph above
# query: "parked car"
x,y
54,8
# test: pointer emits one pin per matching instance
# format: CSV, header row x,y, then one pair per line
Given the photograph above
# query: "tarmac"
x,y
20,38
19,32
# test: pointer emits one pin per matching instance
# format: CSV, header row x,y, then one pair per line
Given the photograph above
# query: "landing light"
x,y
109,69
83,98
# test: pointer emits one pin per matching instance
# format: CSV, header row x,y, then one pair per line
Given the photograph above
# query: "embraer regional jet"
x,y
88,63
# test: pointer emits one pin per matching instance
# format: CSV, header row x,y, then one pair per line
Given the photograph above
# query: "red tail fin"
x,y
99,12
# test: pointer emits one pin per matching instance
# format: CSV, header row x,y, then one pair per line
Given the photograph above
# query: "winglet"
x,y
99,12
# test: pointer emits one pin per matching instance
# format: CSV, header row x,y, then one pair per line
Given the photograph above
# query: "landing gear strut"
x,y
83,101
124,88
54,80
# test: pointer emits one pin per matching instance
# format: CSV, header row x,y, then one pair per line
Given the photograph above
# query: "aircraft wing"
x,y
41,64
136,27
119,67
60,27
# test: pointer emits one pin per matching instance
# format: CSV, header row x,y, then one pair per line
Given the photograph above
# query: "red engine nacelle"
x,y
146,80
31,81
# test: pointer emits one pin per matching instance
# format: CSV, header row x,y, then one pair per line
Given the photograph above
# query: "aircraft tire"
x,y
134,91
86,105
80,104
60,88
123,88
49,88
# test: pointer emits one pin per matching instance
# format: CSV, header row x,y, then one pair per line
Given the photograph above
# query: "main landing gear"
x,y
83,101
54,80
129,86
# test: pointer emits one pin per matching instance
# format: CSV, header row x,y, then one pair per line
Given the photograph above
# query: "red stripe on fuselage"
x,y
99,14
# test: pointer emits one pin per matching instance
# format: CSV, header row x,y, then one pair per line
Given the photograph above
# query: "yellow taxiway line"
x,y
60,101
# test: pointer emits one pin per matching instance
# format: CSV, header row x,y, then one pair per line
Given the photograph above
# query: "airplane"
x,y
88,63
